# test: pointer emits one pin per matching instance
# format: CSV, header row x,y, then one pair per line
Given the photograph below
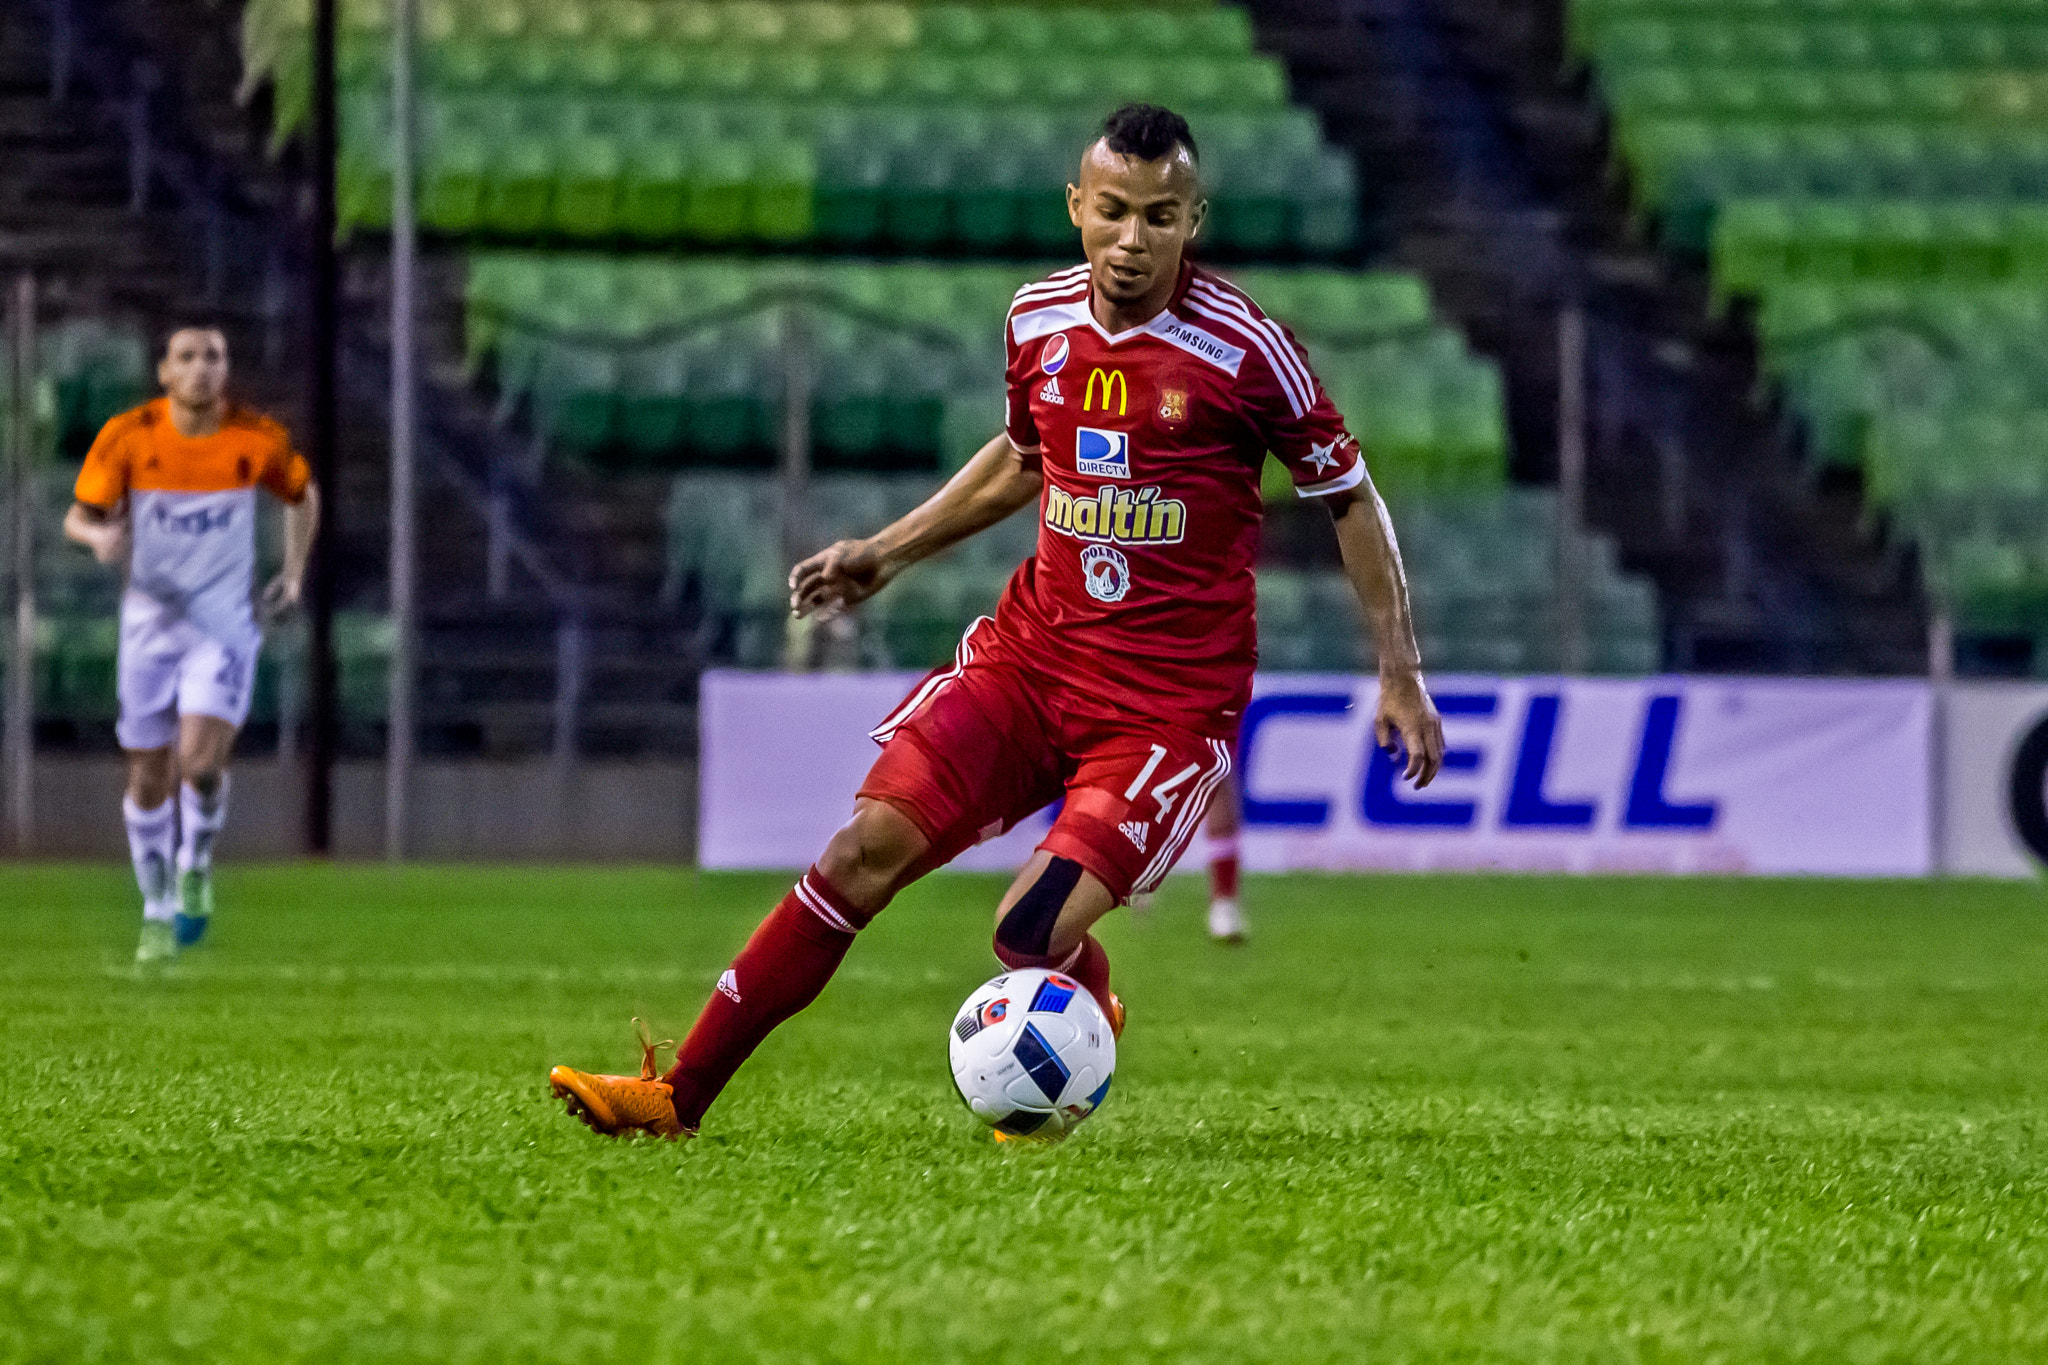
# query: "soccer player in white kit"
x,y
169,491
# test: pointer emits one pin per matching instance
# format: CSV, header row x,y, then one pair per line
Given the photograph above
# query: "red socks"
x,y
1223,868
781,970
1088,964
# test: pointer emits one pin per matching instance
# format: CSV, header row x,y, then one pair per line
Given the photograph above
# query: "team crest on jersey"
x,y
1102,454
1053,358
1051,393
1106,573
1173,405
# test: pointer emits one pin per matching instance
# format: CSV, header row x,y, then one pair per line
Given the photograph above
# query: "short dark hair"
x,y
1148,132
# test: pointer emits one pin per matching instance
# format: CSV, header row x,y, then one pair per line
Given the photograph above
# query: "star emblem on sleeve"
x,y
1323,458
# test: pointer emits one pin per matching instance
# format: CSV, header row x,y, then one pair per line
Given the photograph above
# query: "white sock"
x,y
201,818
153,846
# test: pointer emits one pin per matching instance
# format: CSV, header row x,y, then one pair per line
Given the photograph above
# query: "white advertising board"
x,y
1640,775
1993,783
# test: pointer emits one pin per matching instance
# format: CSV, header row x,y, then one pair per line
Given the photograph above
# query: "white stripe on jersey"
x,y
1288,385
1350,478
1206,345
1024,303
963,655
1272,343
1235,298
1057,283
1189,819
1045,321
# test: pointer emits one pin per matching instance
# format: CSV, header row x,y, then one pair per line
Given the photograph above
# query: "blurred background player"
x,y
1219,847
1219,853
168,491
1143,396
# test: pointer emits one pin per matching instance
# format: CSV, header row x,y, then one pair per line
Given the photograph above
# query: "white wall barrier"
x,y
1758,775
1994,779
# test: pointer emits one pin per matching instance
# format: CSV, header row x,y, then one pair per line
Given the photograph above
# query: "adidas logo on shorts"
x,y
1136,831
729,986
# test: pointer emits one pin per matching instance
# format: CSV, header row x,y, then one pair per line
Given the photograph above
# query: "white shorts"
x,y
168,668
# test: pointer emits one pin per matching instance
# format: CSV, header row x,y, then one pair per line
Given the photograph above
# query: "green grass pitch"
x,y
1442,1119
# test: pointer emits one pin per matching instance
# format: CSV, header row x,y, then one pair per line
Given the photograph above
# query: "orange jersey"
x,y
192,508
142,451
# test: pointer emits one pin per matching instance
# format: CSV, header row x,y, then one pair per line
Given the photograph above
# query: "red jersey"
x,y
1140,596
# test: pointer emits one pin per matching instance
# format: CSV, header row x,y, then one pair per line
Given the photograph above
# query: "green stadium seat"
x,y
586,197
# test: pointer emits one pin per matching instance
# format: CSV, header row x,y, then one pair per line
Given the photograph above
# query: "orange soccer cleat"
x,y
1115,1010
619,1105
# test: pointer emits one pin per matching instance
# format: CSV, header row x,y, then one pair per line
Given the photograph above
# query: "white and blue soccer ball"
x,y
1032,1054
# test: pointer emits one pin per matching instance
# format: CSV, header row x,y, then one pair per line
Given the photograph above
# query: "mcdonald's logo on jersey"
x,y
1112,382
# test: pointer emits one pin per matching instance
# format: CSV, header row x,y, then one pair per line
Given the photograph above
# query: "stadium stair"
x,y
1488,160
1874,182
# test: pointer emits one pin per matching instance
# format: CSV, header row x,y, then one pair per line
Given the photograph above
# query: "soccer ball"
x,y
1032,1054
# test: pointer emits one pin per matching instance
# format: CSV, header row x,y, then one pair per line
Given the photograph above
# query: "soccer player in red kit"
x,y
1144,394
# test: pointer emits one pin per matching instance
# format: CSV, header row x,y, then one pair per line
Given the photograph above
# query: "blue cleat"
x,y
195,910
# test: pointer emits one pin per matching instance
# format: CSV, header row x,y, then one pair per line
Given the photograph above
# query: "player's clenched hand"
x,y
109,541
280,595
837,577
1408,717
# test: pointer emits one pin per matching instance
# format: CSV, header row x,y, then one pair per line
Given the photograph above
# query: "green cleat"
x,y
159,943
195,906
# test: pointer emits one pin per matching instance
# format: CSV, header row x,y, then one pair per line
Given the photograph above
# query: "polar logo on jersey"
x,y
1106,573
1102,454
1053,358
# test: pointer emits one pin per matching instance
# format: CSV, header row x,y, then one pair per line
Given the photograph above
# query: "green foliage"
x,y
1473,1119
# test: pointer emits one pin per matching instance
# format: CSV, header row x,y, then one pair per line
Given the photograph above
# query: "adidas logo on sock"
x,y
1136,831
729,986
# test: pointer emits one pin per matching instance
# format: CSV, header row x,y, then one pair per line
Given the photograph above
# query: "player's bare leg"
x,y
1044,919
204,744
1226,920
780,971
152,819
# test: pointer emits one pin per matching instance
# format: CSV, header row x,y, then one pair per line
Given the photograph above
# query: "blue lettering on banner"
x,y
1527,805
1647,807
1260,810
1380,804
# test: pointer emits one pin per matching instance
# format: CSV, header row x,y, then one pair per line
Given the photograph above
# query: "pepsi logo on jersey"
x,y
1102,454
1053,358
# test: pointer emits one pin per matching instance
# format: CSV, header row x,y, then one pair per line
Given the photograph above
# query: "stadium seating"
x,y
1482,567
1875,177
661,363
854,126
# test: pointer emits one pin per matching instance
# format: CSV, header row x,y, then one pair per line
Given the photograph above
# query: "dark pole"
x,y
324,312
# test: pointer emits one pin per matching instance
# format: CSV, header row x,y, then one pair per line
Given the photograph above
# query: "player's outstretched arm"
x,y
301,524
987,489
1372,559
103,532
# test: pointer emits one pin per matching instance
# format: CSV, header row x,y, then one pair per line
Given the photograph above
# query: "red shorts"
x,y
979,745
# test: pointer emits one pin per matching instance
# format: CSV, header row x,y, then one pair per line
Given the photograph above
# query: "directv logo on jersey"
x,y
1103,454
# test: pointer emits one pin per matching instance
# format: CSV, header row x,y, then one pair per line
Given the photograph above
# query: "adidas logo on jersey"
x,y
1051,393
1136,831
729,985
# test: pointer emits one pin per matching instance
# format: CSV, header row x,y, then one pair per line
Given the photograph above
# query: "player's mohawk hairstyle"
x,y
1148,132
